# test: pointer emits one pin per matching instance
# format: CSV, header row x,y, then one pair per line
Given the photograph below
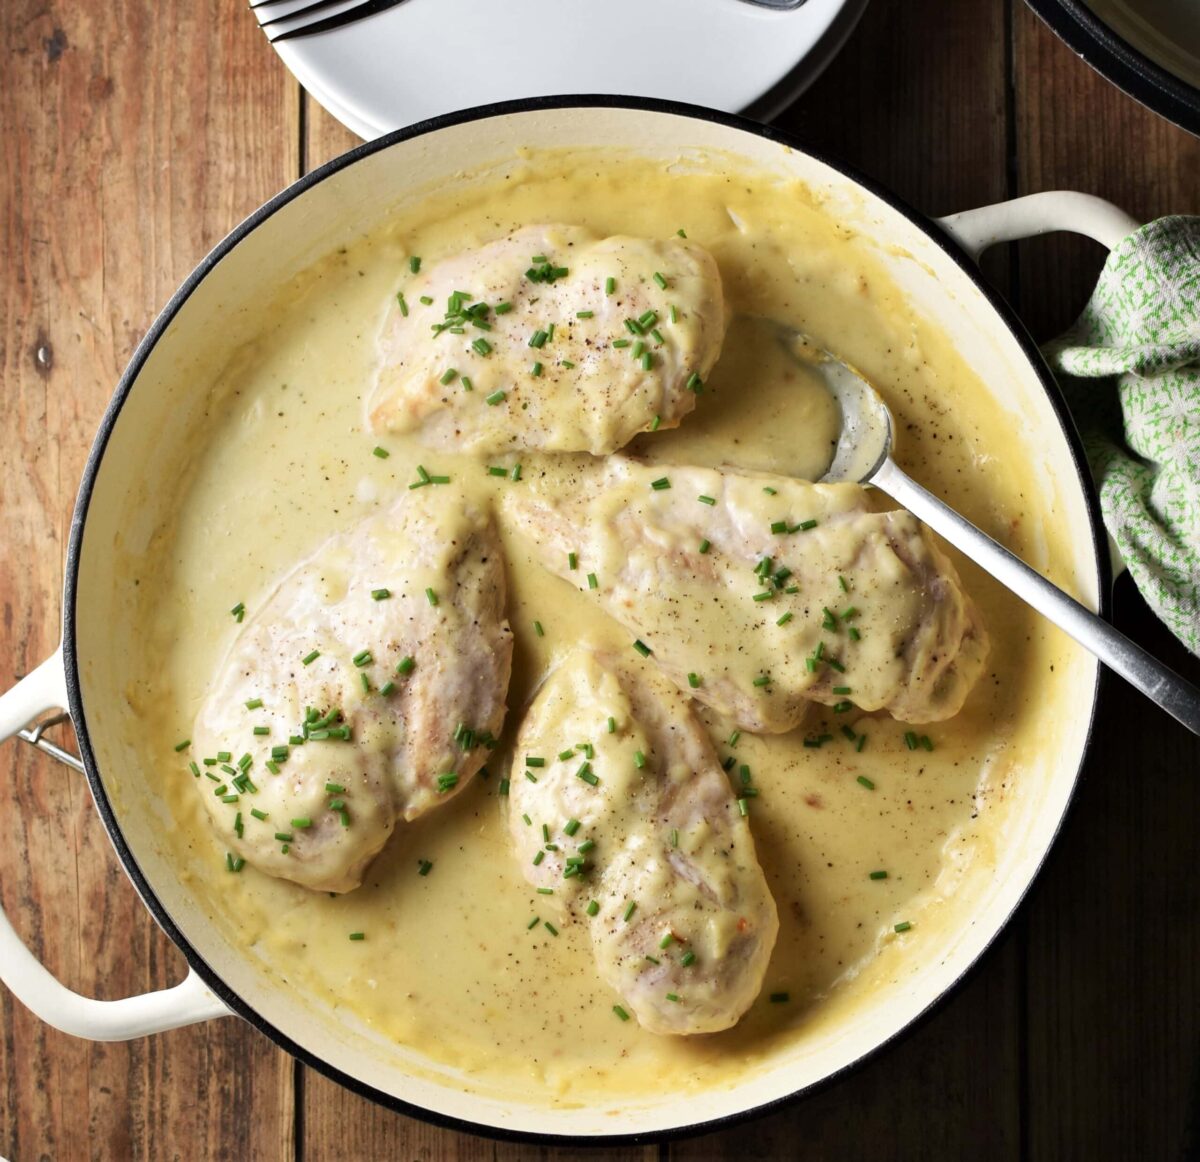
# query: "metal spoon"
x,y
864,453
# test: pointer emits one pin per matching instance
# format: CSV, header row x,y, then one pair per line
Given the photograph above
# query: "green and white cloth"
x,y
1130,368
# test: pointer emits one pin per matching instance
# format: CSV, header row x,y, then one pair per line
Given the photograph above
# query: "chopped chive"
x,y
571,826
567,364
549,927
674,836
926,742
537,859
406,665
694,383
612,725
617,1008
502,789
446,782
805,525
661,484
784,619
534,761
194,769
707,499
239,610
842,583
878,875
762,680
841,690
592,582
496,397
401,303
257,813
647,361
729,763
584,314
848,731
531,776
655,425
610,285
910,739
358,936
587,775
563,755
430,596
537,628
674,314
780,998
630,908
538,339
656,335
308,659
854,634
662,282
224,756
230,798
533,923
642,648
366,683
545,891
705,545
283,836
592,908
502,308
743,807
850,613
653,959
622,343
862,780
382,453
414,263
779,526
448,376
766,595
302,823
834,664
467,384
426,300
688,959
639,759
381,594
261,730
829,622
693,681
481,347
362,658
903,926
862,741
181,746
495,471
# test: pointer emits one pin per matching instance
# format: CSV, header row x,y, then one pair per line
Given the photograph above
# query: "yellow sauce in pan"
x,y
448,967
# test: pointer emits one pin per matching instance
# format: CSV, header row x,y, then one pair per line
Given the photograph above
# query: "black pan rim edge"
x,y
87,486
1119,63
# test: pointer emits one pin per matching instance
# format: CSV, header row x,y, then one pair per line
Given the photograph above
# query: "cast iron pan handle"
x,y
188,1002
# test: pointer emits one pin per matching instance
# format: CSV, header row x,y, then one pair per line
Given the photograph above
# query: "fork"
x,y
322,23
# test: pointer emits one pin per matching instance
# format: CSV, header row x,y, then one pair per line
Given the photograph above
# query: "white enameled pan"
x,y
933,262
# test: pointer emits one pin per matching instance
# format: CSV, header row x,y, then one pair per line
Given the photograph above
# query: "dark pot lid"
x,y
1118,61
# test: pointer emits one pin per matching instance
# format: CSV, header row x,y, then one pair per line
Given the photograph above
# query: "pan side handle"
x,y
29,980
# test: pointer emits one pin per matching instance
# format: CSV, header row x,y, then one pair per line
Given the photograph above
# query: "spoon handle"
x,y
1175,695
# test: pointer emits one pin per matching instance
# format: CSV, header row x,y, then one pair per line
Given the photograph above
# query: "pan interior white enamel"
x,y
159,422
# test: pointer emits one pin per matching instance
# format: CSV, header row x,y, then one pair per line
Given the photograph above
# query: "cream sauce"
x,y
448,967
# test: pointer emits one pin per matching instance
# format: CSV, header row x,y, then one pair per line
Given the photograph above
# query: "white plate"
x,y
428,57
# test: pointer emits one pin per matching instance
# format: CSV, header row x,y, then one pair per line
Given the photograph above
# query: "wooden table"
x,y
134,135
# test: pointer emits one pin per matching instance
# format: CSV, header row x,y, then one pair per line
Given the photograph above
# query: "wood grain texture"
x,y
133,136
1114,944
125,158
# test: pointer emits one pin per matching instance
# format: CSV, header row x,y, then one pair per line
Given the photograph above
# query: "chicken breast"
x,y
550,339
367,689
759,594
625,816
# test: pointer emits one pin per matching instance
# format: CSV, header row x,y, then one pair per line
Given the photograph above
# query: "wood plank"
x,y
324,138
1114,939
338,1123
124,161
917,100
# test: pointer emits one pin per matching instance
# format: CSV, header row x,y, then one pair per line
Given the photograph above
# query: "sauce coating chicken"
x,y
632,825
365,690
760,593
549,339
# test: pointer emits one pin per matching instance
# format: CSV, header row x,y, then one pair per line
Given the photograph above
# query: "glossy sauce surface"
x,y
449,966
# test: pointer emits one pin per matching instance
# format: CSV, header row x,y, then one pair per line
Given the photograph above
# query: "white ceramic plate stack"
x,y
423,58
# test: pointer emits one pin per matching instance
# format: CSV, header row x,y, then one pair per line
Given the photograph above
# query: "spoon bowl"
x,y
863,454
